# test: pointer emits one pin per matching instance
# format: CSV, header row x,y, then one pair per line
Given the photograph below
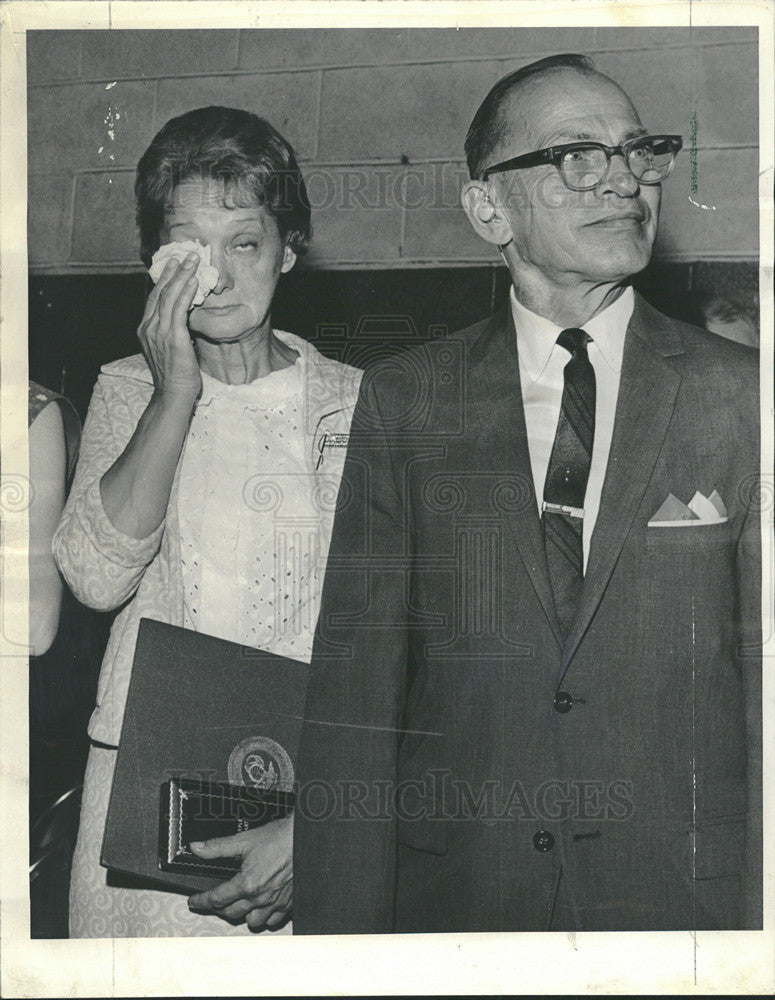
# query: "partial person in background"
x,y
54,433
55,688
729,317
178,444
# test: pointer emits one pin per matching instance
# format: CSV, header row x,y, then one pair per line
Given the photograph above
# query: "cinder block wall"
x,y
377,118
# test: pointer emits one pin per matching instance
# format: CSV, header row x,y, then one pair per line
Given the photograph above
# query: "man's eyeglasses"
x,y
583,165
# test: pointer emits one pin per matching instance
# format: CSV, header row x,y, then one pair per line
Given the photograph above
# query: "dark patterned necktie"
x,y
567,475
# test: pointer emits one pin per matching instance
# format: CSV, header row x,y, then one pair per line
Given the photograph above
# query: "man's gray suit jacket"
x,y
462,768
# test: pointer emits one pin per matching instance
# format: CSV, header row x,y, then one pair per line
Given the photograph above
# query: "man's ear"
x,y
487,218
289,259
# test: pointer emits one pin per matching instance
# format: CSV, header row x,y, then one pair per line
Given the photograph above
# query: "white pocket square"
x,y
700,510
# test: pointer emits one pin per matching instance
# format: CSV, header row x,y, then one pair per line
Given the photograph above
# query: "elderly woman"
x,y
159,521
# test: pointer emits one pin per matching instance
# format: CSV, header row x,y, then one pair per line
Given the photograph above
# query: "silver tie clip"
x,y
559,508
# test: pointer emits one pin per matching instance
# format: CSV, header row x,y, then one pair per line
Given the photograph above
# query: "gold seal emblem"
x,y
261,763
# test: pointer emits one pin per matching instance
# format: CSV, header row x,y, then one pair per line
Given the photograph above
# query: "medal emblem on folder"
x,y
261,763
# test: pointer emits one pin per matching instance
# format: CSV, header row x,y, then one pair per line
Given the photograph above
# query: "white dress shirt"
x,y
541,365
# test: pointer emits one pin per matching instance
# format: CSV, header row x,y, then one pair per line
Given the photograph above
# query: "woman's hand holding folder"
x,y
262,891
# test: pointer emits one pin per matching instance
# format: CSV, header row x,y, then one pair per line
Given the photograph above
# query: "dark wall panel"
x,y
78,323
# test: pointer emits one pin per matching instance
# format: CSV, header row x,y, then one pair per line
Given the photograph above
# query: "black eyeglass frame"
x,y
554,154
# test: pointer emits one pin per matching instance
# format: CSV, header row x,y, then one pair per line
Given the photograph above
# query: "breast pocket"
x,y
688,539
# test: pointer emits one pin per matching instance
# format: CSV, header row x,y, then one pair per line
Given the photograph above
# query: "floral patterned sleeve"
x,y
102,565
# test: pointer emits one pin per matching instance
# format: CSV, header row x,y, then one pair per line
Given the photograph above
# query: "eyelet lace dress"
x,y
241,556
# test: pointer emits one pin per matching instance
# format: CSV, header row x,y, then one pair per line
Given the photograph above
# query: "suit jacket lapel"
x,y
647,393
500,435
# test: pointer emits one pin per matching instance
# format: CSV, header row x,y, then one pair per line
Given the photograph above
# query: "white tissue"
x,y
206,274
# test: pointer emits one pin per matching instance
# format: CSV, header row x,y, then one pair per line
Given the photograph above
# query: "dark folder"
x,y
208,745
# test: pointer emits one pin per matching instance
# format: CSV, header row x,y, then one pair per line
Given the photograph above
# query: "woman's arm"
x,y
47,476
113,521
136,489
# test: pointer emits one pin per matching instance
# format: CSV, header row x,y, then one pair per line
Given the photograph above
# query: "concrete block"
x,y
535,43
657,83
356,214
727,183
659,38
104,226
127,53
435,226
460,43
85,126
522,44
287,100
388,112
667,86
724,85
263,48
53,55
49,217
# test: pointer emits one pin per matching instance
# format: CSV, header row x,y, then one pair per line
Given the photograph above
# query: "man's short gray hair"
x,y
491,127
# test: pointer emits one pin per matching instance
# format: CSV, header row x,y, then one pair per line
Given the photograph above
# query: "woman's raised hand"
x,y
136,488
164,334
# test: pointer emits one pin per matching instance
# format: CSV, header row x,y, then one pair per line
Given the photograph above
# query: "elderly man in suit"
x,y
535,692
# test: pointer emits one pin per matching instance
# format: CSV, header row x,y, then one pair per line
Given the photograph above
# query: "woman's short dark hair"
x,y
234,147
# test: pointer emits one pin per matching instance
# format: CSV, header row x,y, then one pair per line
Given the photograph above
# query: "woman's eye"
x,y
246,245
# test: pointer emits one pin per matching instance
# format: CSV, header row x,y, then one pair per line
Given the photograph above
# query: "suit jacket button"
x,y
563,702
543,841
